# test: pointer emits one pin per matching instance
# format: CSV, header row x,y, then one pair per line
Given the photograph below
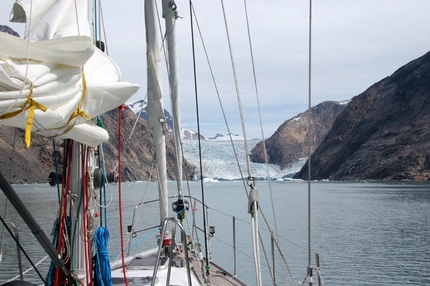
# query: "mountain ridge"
x,y
383,133
290,141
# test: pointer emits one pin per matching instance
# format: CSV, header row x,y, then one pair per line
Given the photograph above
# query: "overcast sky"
x,y
354,45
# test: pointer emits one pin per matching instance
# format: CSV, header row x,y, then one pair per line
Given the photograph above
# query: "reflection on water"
x,y
365,233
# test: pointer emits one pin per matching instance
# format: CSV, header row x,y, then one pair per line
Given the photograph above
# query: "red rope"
x,y
84,204
85,194
90,260
120,189
63,210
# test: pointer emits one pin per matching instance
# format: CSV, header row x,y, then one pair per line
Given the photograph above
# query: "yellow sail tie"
x,y
78,111
29,105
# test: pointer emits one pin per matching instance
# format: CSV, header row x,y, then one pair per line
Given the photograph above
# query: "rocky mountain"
x,y
140,108
290,141
137,153
8,30
383,133
191,135
21,165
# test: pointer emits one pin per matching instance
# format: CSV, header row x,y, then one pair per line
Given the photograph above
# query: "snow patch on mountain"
x,y
139,107
226,137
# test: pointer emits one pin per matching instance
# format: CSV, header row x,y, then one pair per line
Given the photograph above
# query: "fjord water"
x,y
367,233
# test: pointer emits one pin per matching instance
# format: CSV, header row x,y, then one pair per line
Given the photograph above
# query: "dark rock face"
x,y
290,142
33,165
8,30
383,133
21,165
138,153
142,106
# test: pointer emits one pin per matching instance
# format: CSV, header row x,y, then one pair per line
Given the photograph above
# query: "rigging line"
x,y
56,170
220,102
63,209
260,228
272,274
136,219
261,125
120,192
102,22
13,152
21,248
198,137
74,233
6,201
77,18
187,175
145,98
225,121
88,234
239,101
309,132
83,194
192,212
261,121
95,32
253,209
105,203
279,248
29,269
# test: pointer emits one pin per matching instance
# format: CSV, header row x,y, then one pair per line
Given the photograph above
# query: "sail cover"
x,y
54,81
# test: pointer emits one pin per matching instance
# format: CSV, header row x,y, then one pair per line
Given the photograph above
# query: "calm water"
x,y
365,233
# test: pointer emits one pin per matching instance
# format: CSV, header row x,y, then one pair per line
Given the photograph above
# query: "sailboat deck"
x,y
217,275
140,269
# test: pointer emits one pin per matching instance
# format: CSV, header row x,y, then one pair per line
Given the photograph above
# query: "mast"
x,y
170,15
156,119
77,220
77,190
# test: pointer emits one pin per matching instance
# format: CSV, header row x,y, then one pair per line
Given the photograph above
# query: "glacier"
x,y
219,162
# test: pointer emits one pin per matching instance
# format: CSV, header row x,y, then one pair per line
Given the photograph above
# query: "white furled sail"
x,y
156,119
55,81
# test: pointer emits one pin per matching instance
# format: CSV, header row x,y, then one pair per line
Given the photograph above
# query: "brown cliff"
x,y
290,142
383,133
33,165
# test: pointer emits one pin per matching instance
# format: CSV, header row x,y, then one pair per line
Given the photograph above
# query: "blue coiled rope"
x,y
102,270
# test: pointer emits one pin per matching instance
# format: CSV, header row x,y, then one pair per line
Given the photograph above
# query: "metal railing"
x,y
172,247
18,250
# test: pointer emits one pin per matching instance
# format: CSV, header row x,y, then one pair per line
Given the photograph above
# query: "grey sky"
x,y
354,44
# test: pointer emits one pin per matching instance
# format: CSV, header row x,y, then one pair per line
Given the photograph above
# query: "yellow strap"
x,y
29,125
30,102
78,111
29,105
